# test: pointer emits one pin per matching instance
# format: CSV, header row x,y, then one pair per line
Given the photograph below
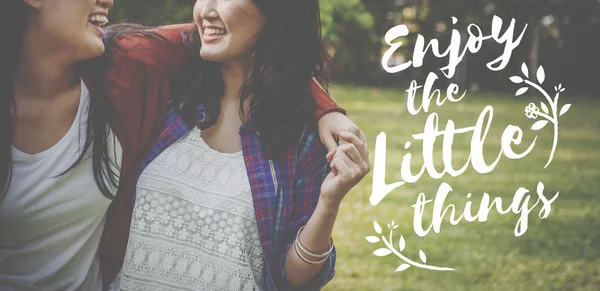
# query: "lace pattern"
x,y
193,226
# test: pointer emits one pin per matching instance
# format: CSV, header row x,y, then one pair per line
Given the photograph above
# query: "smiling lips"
x,y
212,31
98,20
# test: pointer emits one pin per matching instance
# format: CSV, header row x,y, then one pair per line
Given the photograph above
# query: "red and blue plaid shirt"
x,y
285,192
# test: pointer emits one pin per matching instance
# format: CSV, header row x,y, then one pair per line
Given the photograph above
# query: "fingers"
x,y
347,160
363,138
351,151
351,173
330,155
339,163
358,144
329,141
353,158
353,129
331,164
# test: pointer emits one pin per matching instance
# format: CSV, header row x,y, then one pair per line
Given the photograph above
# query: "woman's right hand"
x,y
349,164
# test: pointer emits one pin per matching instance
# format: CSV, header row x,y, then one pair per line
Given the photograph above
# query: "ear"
x,y
35,4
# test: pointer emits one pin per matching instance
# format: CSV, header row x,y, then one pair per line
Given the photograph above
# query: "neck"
x,y
42,74
234,74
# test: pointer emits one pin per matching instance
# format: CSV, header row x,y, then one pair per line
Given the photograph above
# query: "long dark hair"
x,y
288,53
12,26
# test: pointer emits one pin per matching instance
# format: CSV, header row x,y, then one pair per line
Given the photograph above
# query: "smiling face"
x,y
70,26
229,29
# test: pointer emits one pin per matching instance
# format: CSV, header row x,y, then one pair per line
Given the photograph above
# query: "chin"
x,y
210,56
95,48
94,40
98,48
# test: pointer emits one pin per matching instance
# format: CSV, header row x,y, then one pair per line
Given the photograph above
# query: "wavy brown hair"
x,y
288,54
12,29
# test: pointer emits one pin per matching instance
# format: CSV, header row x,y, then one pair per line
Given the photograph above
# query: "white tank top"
x,y
50,226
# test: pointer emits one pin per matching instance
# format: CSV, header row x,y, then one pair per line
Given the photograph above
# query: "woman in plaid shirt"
x,y
238,193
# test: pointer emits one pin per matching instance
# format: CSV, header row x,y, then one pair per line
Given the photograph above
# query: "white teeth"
x,y
214,31
98,19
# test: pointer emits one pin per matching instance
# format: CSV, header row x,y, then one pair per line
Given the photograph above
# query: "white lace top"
x,y
194,225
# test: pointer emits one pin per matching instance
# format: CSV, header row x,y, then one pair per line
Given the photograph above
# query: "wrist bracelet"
x,y
305,259
306,251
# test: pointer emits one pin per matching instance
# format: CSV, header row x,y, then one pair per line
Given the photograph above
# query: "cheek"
x,y
70,11
66,19
72,31
251,24
251,33
61,28
196,13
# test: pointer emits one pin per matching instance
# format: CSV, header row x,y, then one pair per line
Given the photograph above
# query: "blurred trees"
x,y
563,36
152,12
347,29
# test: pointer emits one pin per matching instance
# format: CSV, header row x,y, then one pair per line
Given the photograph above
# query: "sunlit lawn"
x,y
561,252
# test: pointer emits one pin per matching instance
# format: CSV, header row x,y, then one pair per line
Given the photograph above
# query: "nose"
x,y
106,3
209,10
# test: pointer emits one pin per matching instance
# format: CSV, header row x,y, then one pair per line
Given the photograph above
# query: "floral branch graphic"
x,y
382,252
549,112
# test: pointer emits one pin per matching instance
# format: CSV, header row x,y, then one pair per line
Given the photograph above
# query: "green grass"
x,y
561,252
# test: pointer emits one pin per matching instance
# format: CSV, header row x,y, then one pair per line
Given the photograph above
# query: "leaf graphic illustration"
x,y
382,252
541,75
525,70
516,79
539,125
402,267
388,225
402,243
372,239
564,109
521,91
544,107
377,227
560,88
422,256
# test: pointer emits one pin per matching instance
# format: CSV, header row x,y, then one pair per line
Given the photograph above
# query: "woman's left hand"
x,y
349,164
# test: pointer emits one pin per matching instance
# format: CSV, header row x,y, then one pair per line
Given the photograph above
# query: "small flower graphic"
x,y
550,110
531,111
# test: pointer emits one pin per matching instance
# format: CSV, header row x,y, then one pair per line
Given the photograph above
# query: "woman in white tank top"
x,y
58,158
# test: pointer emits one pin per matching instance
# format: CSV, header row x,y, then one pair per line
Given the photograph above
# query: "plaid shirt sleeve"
x,y
311,172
